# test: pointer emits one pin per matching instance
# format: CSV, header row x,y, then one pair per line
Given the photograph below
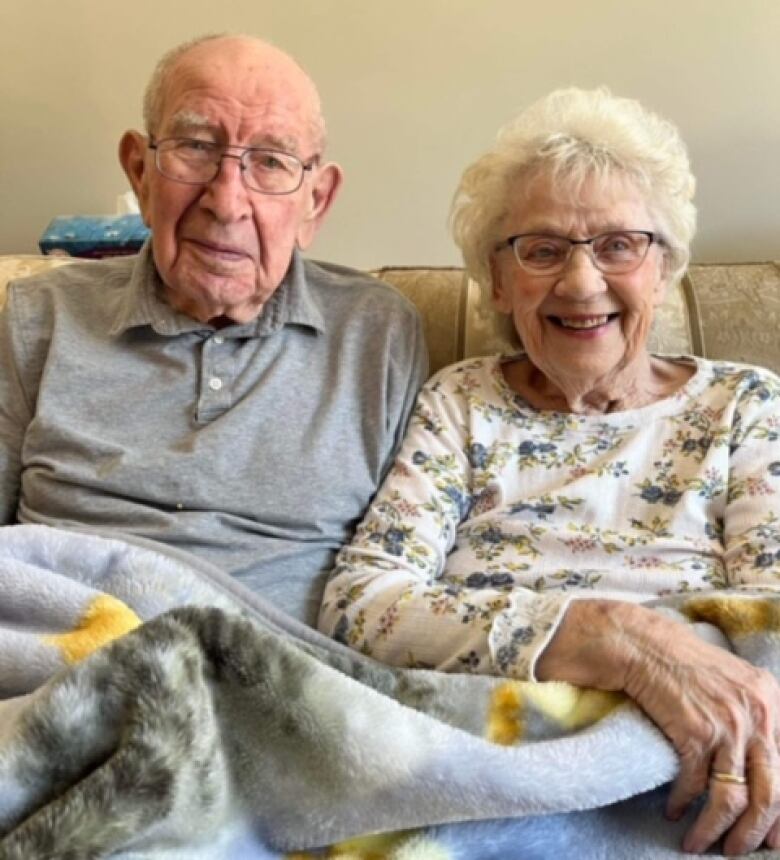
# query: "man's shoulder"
x,y
357,289
80,275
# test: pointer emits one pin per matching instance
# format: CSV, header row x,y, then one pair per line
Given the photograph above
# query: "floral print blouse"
x,y
495,515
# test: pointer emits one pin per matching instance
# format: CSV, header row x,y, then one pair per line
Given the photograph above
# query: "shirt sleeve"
x,y
390,595
15,408
751,524
409,373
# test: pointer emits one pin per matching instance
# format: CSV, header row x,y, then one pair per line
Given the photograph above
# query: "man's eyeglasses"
x,y
617,252
197,162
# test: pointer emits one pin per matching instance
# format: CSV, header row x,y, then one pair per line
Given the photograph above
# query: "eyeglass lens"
x,y
615,251
196,161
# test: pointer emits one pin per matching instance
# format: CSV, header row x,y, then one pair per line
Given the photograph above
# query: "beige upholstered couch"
x,y
718,311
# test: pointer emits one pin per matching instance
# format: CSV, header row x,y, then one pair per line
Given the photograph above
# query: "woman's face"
x,y
579,323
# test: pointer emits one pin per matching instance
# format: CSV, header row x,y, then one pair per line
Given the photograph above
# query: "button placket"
x,y
215,383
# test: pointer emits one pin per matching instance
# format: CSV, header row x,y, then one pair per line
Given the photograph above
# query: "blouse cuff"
x,y
525,628
522,631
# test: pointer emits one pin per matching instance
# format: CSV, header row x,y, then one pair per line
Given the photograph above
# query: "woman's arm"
x,y
387,595
751,522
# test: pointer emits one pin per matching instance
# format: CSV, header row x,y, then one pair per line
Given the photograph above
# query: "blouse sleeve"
x,y
389,595
751,524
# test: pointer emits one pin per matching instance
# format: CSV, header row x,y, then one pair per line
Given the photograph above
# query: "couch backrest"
x,y
728,311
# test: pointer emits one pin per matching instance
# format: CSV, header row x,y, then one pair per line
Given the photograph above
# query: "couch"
x,y
726,311
316,755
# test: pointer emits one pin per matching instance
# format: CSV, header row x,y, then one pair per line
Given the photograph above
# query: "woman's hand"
x,y
721,714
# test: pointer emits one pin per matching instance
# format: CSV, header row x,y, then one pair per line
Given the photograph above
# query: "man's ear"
x,y
502,298
325,185
132,157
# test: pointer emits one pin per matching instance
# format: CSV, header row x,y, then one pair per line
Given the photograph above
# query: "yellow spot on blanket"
x,y
505,718
106,619
735,616
569,707
381,846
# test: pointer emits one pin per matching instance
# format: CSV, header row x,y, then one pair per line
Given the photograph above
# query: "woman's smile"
x,y
585,326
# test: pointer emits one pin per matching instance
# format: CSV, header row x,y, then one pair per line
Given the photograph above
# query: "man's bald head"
x,y
267,59
222,241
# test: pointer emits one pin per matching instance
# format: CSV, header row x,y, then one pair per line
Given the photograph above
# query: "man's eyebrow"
x,y
190,121
273,141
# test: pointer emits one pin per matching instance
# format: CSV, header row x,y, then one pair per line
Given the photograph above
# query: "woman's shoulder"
x,y
739,380
478,370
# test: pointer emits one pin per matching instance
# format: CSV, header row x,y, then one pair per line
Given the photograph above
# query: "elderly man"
x,y
217,393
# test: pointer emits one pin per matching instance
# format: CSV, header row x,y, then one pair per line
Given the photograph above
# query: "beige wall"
x,y
413,89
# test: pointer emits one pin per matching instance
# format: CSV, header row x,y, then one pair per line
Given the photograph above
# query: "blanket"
x,y
153,708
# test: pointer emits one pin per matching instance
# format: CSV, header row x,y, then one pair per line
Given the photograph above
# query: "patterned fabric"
x,y
495,515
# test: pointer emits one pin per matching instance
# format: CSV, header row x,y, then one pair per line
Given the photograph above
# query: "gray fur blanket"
x,y
152,708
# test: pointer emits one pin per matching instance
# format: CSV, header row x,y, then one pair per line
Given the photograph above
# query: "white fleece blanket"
x,y
155,709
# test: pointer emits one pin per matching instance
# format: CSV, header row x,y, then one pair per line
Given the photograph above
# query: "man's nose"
x,y
580,277
226,196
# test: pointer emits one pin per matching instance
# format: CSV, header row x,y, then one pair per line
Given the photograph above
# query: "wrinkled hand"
x,y
719,712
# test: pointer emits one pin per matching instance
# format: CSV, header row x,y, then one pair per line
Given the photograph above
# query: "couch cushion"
x,y
736,308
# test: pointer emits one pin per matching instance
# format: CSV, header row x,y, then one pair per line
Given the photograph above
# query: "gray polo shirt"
x,y
256,446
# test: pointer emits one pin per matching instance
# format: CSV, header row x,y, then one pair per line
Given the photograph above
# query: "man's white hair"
x,y
154,93
574,136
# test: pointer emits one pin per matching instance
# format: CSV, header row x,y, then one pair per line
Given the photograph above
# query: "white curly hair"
x,y
576,135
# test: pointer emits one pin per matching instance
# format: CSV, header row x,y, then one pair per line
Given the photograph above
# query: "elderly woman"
x,y
541,497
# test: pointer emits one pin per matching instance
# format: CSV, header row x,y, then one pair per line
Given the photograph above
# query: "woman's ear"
x,y
664,275
325,185
132,157
502,297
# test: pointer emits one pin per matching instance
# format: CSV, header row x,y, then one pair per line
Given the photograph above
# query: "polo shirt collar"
x,y
292,303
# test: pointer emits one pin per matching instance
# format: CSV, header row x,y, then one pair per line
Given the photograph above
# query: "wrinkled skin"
x,y
719,712
222,249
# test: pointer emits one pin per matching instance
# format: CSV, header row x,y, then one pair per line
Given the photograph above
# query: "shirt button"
x,y
215,383
218,338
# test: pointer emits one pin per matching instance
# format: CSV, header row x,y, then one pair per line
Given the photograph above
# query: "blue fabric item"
x,y
94,235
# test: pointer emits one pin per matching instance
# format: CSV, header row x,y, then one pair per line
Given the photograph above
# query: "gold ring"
x,y
725,776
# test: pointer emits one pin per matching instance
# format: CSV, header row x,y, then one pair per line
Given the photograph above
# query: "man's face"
x,y
222,249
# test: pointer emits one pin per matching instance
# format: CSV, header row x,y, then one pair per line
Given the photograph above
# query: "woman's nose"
x,y
580,277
